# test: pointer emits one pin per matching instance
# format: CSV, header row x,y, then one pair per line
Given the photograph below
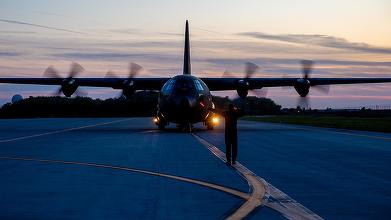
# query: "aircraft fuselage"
x,y
184,99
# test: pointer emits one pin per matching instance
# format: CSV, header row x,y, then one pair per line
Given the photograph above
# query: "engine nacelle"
x,y
128,92
243,87
69,86
242,93
302,87
128,89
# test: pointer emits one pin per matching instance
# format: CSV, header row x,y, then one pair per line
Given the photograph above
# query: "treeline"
x,y
361,113
251,105
141,104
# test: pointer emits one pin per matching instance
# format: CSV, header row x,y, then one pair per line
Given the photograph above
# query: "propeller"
x,y
306,66
134,70
51,72
244,85
250,70
128,88
303,102
69,85
303,84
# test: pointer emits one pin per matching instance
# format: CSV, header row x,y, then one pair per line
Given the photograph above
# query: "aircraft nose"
x,y
187,102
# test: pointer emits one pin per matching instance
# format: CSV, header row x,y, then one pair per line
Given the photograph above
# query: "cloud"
x,y
131,31
277,67
9,54
319,40
265,61
40,26
115,56
167,44
171,34
96,56
17,32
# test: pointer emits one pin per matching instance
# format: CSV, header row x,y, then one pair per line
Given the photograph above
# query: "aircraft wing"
x,y
115,83
214,84
219,84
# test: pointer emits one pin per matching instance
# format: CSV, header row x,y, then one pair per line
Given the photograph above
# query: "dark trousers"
x,y
231,145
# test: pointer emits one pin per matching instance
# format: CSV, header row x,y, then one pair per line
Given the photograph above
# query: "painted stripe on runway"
x,y
360,135
179,178
344,132
325,129
269,196
257,185
61,131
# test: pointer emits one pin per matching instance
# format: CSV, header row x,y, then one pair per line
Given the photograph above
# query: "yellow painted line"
x,y
61,131
261,192
179,178
257,195
255,199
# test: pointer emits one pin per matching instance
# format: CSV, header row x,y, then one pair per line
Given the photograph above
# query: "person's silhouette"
x,y
231,133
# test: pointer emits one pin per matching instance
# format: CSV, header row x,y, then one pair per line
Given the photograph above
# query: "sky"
x,y
350,38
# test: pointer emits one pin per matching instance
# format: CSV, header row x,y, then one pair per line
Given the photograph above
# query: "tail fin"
x,y
186,59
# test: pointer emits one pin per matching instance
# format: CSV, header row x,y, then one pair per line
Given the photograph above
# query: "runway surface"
x,y
126,169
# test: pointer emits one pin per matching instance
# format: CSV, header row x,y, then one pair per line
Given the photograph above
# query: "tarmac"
x,y
124,168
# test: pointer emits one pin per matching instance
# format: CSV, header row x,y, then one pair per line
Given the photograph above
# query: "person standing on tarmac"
x,y
231,133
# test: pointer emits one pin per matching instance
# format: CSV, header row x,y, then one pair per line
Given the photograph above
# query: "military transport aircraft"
x,y
186,99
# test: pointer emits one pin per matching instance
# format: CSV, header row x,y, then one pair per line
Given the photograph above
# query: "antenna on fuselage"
x,y
186,56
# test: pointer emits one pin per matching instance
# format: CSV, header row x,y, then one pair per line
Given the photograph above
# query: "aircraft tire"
x,y
161,126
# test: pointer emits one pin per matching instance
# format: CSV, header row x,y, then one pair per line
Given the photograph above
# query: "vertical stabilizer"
x,y
186,57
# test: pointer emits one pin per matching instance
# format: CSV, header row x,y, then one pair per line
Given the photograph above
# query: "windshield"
x,y
184,86
168,87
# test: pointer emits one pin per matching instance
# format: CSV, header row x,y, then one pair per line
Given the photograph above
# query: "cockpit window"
x,y
198,85
167,88
184,84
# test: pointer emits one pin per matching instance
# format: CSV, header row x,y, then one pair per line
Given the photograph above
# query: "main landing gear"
x,y
211,122
161,124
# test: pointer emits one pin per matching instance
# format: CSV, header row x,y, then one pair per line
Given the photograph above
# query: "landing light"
x,y
215,120
155,120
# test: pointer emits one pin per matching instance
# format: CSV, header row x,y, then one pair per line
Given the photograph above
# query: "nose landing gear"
x,y
188,127
209,126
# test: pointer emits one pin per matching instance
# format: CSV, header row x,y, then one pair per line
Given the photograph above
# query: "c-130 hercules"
x,y
186,99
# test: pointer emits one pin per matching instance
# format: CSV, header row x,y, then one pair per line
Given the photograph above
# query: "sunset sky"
x,y
350,38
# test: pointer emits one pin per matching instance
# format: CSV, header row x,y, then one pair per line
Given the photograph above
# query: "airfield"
x,y
124,168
